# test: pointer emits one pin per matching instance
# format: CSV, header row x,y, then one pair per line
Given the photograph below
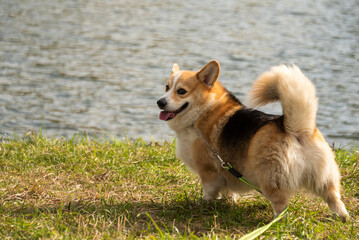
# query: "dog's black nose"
x,y
162,103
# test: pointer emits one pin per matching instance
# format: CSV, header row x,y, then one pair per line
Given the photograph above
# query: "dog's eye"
x,y
181,91
167,88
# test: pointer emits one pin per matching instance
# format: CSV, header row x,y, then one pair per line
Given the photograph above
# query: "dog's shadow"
x,y
185,216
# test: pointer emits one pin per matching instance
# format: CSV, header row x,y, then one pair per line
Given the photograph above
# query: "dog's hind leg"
x,y
273,181
330,194
324,177
279,198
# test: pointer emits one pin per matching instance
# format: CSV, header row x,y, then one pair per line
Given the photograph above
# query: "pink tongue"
x,y
164,115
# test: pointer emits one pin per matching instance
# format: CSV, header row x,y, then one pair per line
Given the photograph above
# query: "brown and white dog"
x,y
278,154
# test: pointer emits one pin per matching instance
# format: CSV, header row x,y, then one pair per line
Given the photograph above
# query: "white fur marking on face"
x,y
176,76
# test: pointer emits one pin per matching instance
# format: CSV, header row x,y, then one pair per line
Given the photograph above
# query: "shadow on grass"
x,y
141,218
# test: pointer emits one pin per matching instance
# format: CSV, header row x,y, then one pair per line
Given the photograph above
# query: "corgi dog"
x,y
277,154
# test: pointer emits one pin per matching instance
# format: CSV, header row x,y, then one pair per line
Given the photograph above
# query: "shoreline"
x,y
4,137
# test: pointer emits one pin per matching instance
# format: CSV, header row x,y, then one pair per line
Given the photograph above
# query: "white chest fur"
x,y
184,142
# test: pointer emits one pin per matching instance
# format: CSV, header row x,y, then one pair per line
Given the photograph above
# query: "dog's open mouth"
x,y
166,115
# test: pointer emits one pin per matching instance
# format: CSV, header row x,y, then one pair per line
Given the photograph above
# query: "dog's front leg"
x,y
212,185
206,169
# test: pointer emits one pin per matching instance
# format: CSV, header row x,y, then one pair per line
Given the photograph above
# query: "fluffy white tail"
x,y
296,94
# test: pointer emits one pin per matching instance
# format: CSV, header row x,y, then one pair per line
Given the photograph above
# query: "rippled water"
x,y
98,67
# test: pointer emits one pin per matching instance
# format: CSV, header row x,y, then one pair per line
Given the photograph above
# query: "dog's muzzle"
x,y
161,103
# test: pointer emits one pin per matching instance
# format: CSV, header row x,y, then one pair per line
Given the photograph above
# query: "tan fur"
x,y
295,93
277,160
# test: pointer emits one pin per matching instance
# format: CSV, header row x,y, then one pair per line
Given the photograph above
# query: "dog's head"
x,y
187,94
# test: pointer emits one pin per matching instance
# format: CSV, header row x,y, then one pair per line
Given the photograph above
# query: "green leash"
x,y
234,172
259,231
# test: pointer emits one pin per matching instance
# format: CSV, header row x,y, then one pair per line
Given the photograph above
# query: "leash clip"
x,y
215,154
224,164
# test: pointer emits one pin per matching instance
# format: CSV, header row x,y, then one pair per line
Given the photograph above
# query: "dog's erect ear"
x,y
209,73
175,68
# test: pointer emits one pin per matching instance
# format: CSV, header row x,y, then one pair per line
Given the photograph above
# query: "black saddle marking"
x,y
244,124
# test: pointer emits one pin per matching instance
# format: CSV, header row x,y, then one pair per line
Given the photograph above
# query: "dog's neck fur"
x,y
217,115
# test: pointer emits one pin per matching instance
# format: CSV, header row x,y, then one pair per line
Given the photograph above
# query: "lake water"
x,y
98,66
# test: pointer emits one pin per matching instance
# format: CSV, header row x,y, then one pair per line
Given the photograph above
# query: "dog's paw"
x,y
208,198
344,218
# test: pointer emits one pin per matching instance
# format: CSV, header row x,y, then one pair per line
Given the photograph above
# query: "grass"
x,y
109,189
